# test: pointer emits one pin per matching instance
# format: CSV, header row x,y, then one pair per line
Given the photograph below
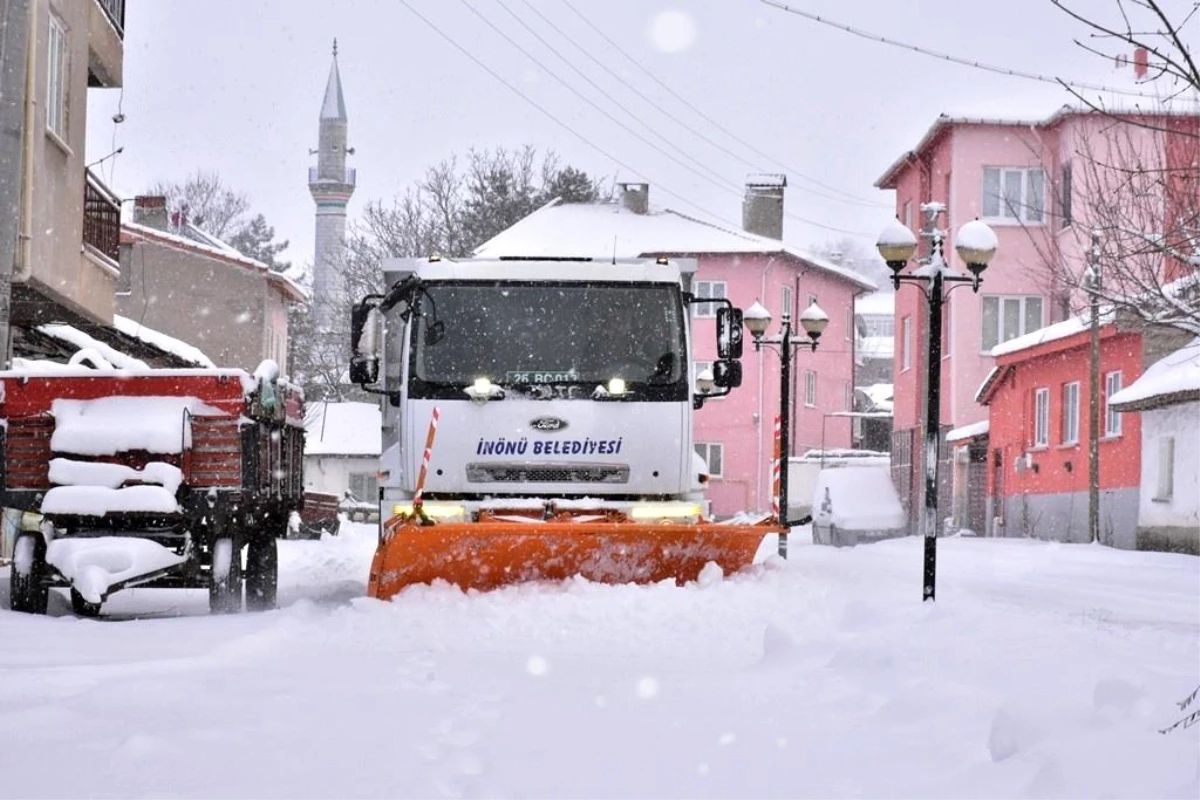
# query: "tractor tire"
x,y
262,573
28,592
82,607
225,577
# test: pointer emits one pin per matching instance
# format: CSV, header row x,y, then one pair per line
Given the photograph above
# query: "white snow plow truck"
x,y
537,422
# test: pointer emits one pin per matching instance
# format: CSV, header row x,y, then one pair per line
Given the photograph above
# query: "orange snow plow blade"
x,y
491,552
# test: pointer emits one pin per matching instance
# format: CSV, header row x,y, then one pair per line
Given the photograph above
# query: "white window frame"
x,y
705,451
848,391
908,214
1041,417
1070,413
1011,200
709,290
1002,332
1165,485
785,303
1113,382
906,344
57,77
810,388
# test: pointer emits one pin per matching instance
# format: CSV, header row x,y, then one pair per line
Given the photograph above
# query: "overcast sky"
x,y
235,86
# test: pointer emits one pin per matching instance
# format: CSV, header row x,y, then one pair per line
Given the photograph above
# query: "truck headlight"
x,y
444,511
667,511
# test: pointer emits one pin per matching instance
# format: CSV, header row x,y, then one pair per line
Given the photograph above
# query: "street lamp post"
x,y
976,244
757,320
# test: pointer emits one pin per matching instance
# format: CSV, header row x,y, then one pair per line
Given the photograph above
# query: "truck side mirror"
x,y
364,370
364,353
727,374
729,334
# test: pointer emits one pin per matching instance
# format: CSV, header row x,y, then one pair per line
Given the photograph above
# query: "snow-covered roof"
x,y
1174,379
992,114
968,431
875,304
1050,333
342,429
880,394
132,230
160,340
609,230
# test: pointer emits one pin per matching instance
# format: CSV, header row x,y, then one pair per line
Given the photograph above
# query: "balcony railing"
x,y
115,9
315,177
101,218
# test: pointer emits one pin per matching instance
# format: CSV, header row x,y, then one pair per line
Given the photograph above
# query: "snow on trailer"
x,y
150,478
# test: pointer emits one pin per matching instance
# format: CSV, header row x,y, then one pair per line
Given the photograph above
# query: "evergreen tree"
x,y
256,239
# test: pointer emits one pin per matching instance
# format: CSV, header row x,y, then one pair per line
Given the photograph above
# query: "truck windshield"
x,y
525,336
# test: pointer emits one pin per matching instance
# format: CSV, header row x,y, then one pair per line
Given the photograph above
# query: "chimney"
x,y
151,211
635,197
762,210
1141,63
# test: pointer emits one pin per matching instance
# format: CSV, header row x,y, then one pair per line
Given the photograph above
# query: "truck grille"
x,y
547,473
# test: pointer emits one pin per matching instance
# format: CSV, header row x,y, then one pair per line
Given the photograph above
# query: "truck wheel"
x,y
82,607
262,573
225,577
27,591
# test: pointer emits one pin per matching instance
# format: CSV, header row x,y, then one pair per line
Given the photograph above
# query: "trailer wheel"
x,y
82,607
27,590
262,573
225,578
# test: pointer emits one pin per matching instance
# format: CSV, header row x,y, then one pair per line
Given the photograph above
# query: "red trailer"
x,y
150,478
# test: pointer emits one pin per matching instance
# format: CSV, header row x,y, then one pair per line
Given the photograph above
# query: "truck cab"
x,y
554,382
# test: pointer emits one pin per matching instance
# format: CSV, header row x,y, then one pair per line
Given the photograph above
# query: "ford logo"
x,y
548,424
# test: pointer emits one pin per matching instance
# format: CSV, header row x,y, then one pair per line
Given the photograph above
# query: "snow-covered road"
x,y
1043,670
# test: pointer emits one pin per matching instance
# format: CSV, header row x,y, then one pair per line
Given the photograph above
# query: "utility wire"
x,y
756,166
591,83
717,181
792,171
711,176
966,62
548,114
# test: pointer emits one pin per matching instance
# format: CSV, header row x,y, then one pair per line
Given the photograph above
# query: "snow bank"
x,y
105,426
857,499
94,565
96,501
65,472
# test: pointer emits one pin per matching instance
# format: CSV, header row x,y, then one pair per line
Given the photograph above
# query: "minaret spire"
x,y
331,185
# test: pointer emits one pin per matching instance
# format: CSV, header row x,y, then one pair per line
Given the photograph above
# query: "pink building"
x,y
1026,179
733,433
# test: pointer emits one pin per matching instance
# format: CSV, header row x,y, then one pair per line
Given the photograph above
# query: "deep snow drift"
x,y
1043,670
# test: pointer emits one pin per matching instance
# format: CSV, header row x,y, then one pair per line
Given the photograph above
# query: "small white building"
x,y
341,450
1168,397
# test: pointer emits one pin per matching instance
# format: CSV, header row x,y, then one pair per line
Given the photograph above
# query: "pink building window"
x,y
1014,194
906,343
810,388
716,290
1112,417
714,456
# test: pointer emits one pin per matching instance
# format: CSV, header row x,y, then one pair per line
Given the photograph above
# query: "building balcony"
x,y
345,179
106,45
101,219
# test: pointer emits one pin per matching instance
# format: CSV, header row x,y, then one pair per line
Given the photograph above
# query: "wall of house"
x,y
57,267
275,328
744,421
213,305
1049,498
331,474
1170,523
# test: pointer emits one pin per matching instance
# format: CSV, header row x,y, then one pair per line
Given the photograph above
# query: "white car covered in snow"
x,y
856,504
